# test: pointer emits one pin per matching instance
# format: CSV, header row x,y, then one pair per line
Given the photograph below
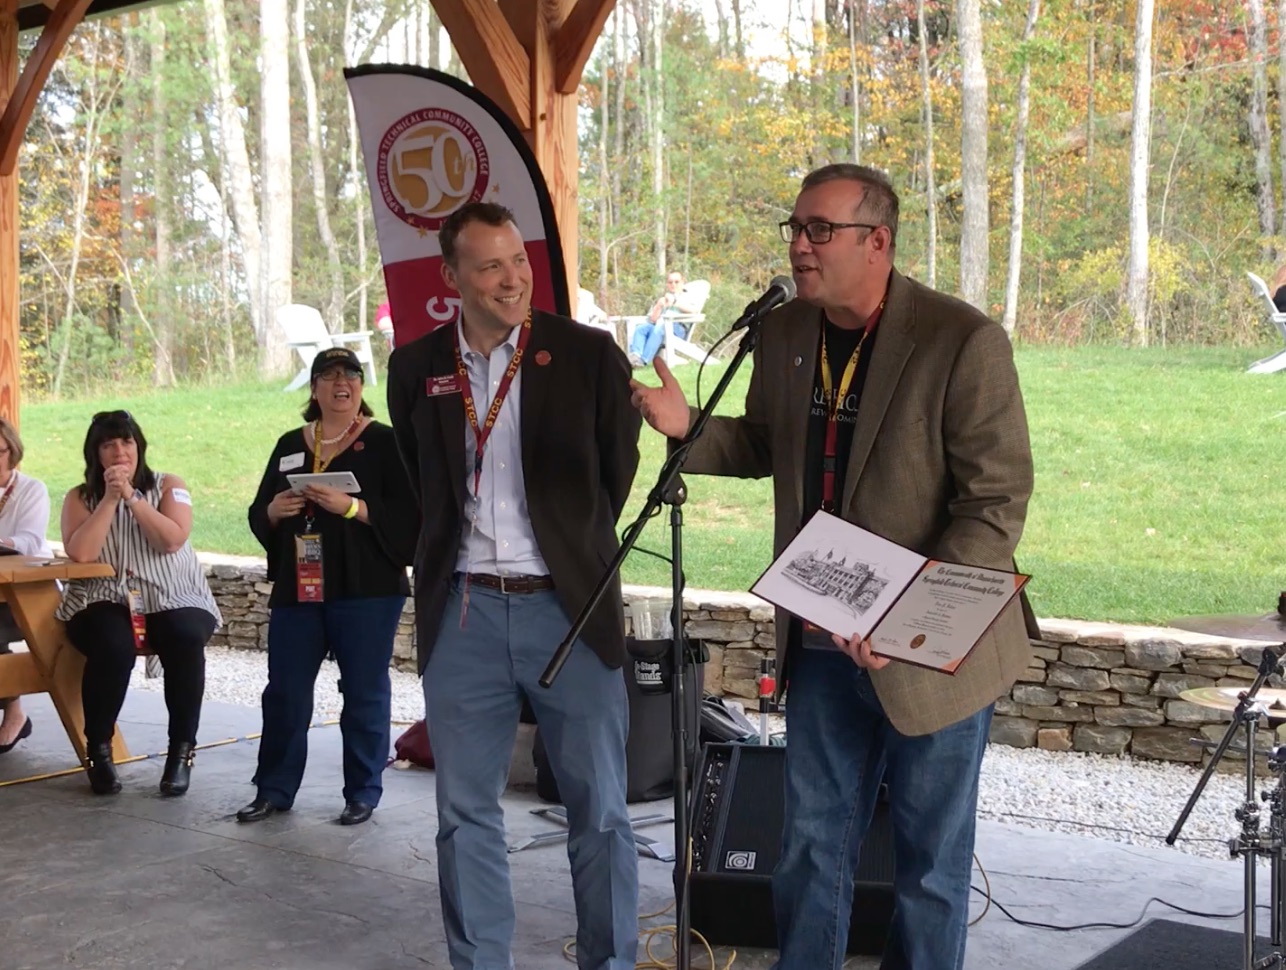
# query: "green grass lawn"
x,y
1159,479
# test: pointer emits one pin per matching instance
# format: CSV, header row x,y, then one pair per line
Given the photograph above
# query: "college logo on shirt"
x,y
847,413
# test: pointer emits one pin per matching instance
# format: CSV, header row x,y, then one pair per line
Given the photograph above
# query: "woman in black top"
x,y
338,563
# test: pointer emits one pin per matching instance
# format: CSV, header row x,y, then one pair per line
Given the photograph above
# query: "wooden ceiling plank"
x,y
497,63
66,16
575,41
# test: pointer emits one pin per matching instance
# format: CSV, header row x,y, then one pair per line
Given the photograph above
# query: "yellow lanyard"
x,y
318,464
850,369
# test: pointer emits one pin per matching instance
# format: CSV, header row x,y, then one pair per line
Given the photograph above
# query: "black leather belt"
x,y
513,584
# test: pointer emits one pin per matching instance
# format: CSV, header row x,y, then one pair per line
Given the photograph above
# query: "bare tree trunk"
x,y
618,139
604,179
975,222
736,22
1140,137
333,311
656,131
855,81
236,165
225,292
930,178
1281,108
162,361
435,40
97,98
130,154
1009,321
1089,109
818,85
361,202
275,175
721,20
1260,136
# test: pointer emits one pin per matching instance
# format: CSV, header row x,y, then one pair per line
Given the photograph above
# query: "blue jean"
x,y
839,746
473,689
359,632
648,338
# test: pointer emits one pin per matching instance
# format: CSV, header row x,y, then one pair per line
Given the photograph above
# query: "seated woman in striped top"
x,y
137,521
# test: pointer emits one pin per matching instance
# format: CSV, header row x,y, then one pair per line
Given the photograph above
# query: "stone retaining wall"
x,y
1104,688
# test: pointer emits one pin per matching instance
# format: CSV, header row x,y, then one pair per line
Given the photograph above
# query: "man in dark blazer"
x,y
914,429
517,431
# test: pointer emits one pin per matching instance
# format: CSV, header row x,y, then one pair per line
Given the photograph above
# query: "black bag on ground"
x,y
649,747
721,723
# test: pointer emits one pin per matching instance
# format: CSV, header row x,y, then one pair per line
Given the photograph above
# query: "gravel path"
x,y
1110,798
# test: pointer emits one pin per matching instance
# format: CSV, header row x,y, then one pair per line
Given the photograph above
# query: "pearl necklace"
x,y
342,435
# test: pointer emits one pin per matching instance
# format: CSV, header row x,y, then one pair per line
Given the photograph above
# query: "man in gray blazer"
x,y
897,408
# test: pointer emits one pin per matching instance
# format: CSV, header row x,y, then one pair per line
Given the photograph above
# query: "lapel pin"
x,y
542,357
359,445
798,361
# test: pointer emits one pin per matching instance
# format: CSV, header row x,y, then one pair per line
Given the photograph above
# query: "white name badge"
x,y
291,461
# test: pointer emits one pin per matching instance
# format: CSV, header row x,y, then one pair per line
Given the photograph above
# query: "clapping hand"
x,y
331,499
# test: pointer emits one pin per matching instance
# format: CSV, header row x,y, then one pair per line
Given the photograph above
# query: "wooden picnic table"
x,y
30,585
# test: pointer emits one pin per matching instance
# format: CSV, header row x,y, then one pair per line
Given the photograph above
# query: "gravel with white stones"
x,y
1116,798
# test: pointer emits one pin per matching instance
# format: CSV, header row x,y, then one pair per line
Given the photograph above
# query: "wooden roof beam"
x,y
66,16
491,53
575,41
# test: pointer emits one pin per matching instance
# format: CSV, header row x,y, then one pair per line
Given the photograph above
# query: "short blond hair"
x,y
10,435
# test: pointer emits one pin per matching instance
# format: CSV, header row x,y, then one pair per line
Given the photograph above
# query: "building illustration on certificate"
x,y
854,586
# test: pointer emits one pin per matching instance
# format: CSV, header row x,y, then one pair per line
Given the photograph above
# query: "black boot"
x,y
102,770
178,768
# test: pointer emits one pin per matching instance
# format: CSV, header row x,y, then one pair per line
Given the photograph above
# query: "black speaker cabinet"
x,y
738,807
649,746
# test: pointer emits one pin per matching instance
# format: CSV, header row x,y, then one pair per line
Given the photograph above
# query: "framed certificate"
x,y
344,481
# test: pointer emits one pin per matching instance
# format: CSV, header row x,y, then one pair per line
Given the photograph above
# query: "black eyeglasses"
x,y
335,373
817,231
112,415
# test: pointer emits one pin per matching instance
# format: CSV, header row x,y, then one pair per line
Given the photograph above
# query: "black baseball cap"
x,y
336,357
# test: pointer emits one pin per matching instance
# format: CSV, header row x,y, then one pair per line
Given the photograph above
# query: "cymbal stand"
x,y
1249,844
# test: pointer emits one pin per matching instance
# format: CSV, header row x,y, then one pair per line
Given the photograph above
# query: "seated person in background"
x,y
137,521
384,321
649,336
1278,289
24,517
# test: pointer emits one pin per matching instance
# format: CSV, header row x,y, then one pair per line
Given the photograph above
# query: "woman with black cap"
x,y
337,560
138,521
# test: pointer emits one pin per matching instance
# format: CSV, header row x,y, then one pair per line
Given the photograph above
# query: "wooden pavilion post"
x,y
9,358
528,56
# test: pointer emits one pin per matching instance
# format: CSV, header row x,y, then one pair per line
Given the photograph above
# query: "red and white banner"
x,y
433,143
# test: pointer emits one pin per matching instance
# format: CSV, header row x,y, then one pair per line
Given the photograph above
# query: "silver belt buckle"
x,y
501,577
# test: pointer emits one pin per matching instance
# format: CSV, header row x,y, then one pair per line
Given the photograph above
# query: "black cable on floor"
x,y
1110,926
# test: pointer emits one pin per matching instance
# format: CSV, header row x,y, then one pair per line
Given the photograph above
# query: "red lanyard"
x,y
483,432
834,398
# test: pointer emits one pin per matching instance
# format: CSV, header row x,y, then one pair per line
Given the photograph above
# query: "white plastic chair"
x,y
306,332
695,295
1277,361
591,314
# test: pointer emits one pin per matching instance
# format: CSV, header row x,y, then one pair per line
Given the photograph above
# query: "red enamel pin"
x,y
542,357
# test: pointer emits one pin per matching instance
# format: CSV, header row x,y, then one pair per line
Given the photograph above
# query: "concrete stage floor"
x,y
146,883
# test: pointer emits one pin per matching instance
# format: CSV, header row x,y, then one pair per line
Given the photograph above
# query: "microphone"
x,y
780,290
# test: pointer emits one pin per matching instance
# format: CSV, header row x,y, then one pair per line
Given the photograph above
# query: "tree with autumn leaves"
x,y
193,165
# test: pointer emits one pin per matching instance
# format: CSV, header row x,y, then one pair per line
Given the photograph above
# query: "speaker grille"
x,y
736,820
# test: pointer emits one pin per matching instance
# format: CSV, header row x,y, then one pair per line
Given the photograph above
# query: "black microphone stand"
x,y
669,490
